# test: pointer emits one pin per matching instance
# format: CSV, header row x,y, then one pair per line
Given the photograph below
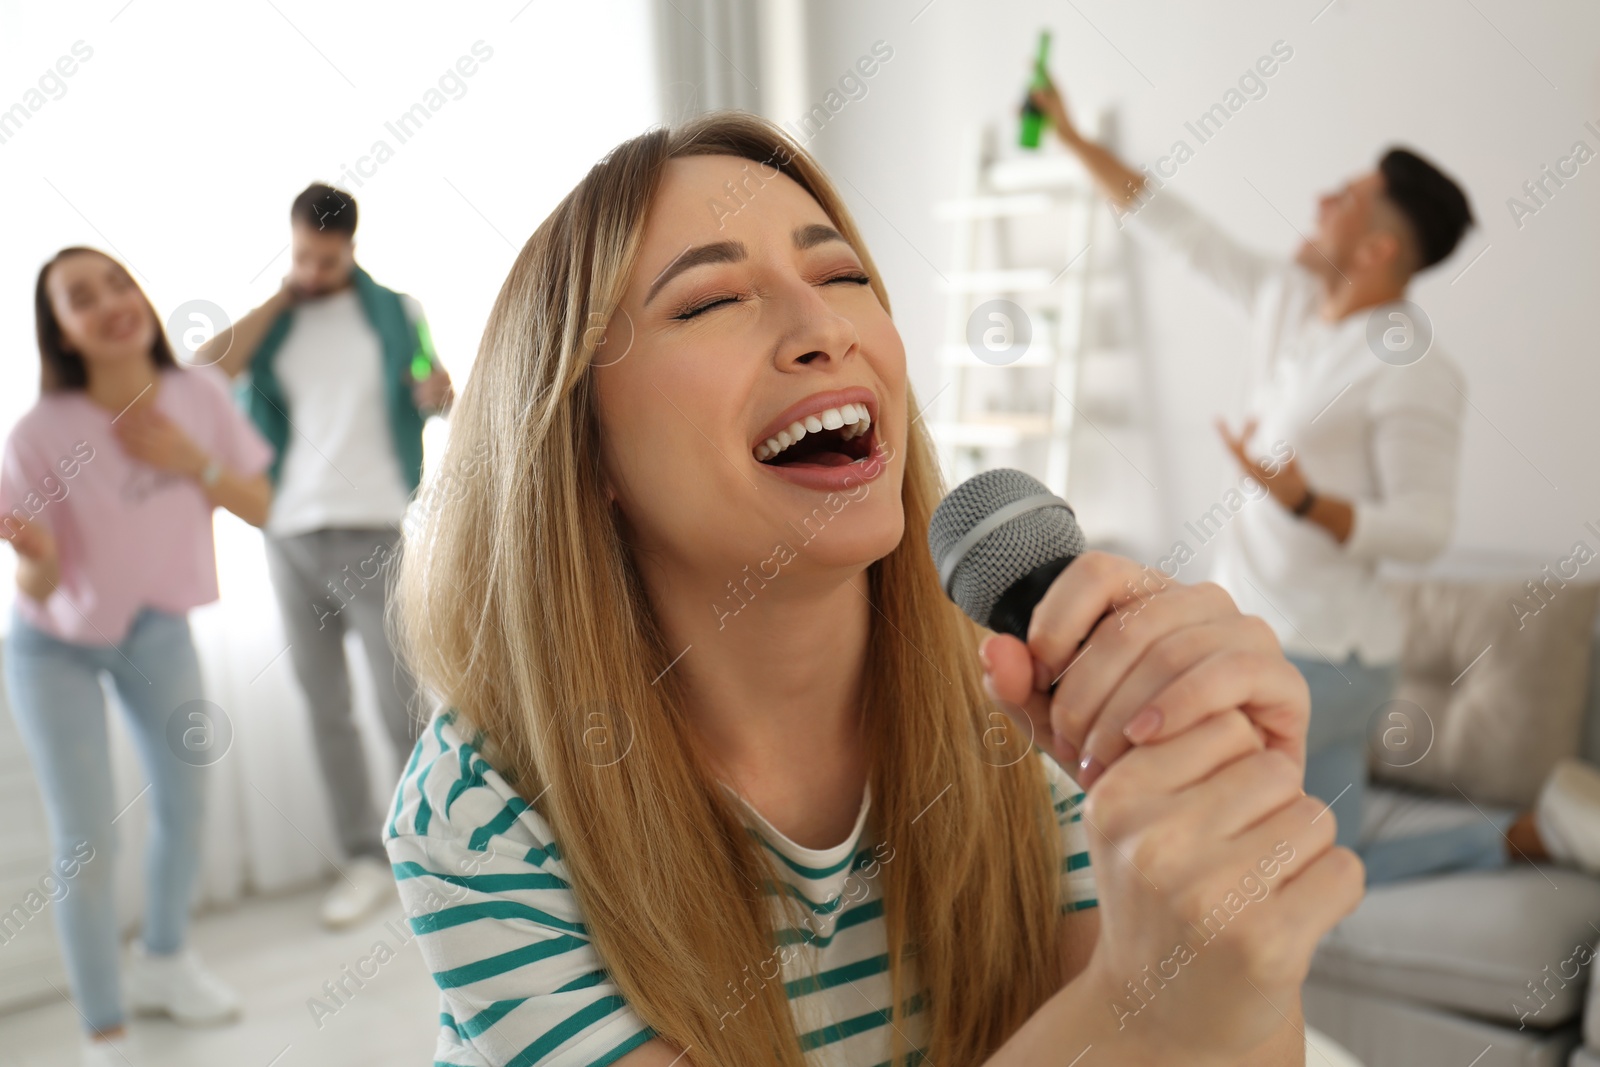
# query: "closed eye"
x,y
691,312
699,309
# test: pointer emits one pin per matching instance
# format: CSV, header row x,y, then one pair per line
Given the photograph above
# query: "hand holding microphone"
x,y
1102,654
1185,806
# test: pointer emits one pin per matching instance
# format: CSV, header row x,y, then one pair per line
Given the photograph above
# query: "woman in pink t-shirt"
x,y
106,495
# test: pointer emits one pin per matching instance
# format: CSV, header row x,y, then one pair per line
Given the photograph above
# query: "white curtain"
x,y
709,55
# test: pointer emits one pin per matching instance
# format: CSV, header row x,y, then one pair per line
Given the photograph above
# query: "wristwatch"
x,y
212,473
1301,509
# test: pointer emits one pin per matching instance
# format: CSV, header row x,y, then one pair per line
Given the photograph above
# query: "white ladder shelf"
x,y
1037,252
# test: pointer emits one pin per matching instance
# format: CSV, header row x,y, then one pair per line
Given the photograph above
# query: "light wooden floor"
x,y
277,955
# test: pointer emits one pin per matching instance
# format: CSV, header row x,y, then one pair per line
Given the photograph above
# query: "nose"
x,y
115,310
814,332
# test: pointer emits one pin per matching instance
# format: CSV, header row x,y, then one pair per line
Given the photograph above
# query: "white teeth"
x,y
853,419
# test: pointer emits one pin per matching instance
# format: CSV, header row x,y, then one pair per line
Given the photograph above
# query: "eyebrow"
x,y
720,252
816,234
78,288
734,252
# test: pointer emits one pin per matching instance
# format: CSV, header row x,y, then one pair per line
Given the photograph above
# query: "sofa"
x,y
1499,680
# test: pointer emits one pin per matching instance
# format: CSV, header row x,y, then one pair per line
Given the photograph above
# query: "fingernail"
x,y
988,686
1089,768
1143,726
983,657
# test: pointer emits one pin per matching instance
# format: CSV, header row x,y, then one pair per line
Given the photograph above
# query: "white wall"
x,y
1434,74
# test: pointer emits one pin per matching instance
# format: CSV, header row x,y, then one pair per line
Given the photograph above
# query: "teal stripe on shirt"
x,y
851,1027
445,918
490,966
563,1031
866,912
483,883
424,816
834,976
497,825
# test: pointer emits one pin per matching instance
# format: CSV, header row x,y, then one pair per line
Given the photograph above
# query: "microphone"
x,y
999,539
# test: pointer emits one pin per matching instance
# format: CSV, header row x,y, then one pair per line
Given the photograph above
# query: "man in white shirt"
x,y
342,376
1361,413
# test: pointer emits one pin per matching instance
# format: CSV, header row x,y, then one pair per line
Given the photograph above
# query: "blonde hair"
x,y
519,604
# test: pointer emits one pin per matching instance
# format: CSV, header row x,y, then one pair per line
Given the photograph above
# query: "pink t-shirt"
x,y
129,534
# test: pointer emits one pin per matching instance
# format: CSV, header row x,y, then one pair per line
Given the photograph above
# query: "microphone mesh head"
x,y
1008,552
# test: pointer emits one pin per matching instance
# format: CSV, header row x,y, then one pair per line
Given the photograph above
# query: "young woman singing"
x,y
713,785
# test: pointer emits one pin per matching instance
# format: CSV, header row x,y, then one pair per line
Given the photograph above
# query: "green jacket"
x,y
261,394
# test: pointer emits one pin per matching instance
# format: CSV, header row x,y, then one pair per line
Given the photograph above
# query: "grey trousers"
x,y
327,581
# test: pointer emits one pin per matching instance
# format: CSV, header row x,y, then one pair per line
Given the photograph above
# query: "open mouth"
x,y
833,437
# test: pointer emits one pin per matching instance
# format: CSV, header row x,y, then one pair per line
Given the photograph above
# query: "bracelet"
x,y
1305,505
211,474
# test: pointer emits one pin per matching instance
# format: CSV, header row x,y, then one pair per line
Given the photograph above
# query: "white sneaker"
x,y
364,885
113,1053
179,986
1567,814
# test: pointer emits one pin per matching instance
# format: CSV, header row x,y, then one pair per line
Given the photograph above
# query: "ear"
x,y
1379,248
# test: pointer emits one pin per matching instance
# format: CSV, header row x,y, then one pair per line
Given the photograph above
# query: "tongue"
x,y
823,459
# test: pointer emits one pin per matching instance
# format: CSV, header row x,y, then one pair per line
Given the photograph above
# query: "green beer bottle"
x,y
1033,119
422,359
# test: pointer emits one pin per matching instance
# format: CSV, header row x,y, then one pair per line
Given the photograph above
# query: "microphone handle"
x,y
1012,612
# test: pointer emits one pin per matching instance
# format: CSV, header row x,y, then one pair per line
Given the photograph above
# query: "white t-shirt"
x,y
1384,438
339,467
491,907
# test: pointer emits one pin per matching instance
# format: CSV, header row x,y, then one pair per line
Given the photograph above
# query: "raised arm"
x,y
1237,270
233,348
1120,183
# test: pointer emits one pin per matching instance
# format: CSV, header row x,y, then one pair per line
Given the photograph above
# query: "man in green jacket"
x,y
338,373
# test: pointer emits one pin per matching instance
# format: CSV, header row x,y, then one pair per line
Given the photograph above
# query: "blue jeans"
x,y
55,696
1345,698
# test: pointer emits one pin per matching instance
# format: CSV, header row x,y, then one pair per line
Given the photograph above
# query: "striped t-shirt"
x,y
483,882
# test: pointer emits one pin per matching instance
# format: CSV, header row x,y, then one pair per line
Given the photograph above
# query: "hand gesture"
x,y
433,393
30,539
149,435
1281,477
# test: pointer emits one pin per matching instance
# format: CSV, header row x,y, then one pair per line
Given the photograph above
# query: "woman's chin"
x,y
851,543
122,350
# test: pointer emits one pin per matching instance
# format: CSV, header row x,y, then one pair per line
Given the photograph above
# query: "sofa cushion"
x,y
1500,671
1591,1018
1511,945
1381,1031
